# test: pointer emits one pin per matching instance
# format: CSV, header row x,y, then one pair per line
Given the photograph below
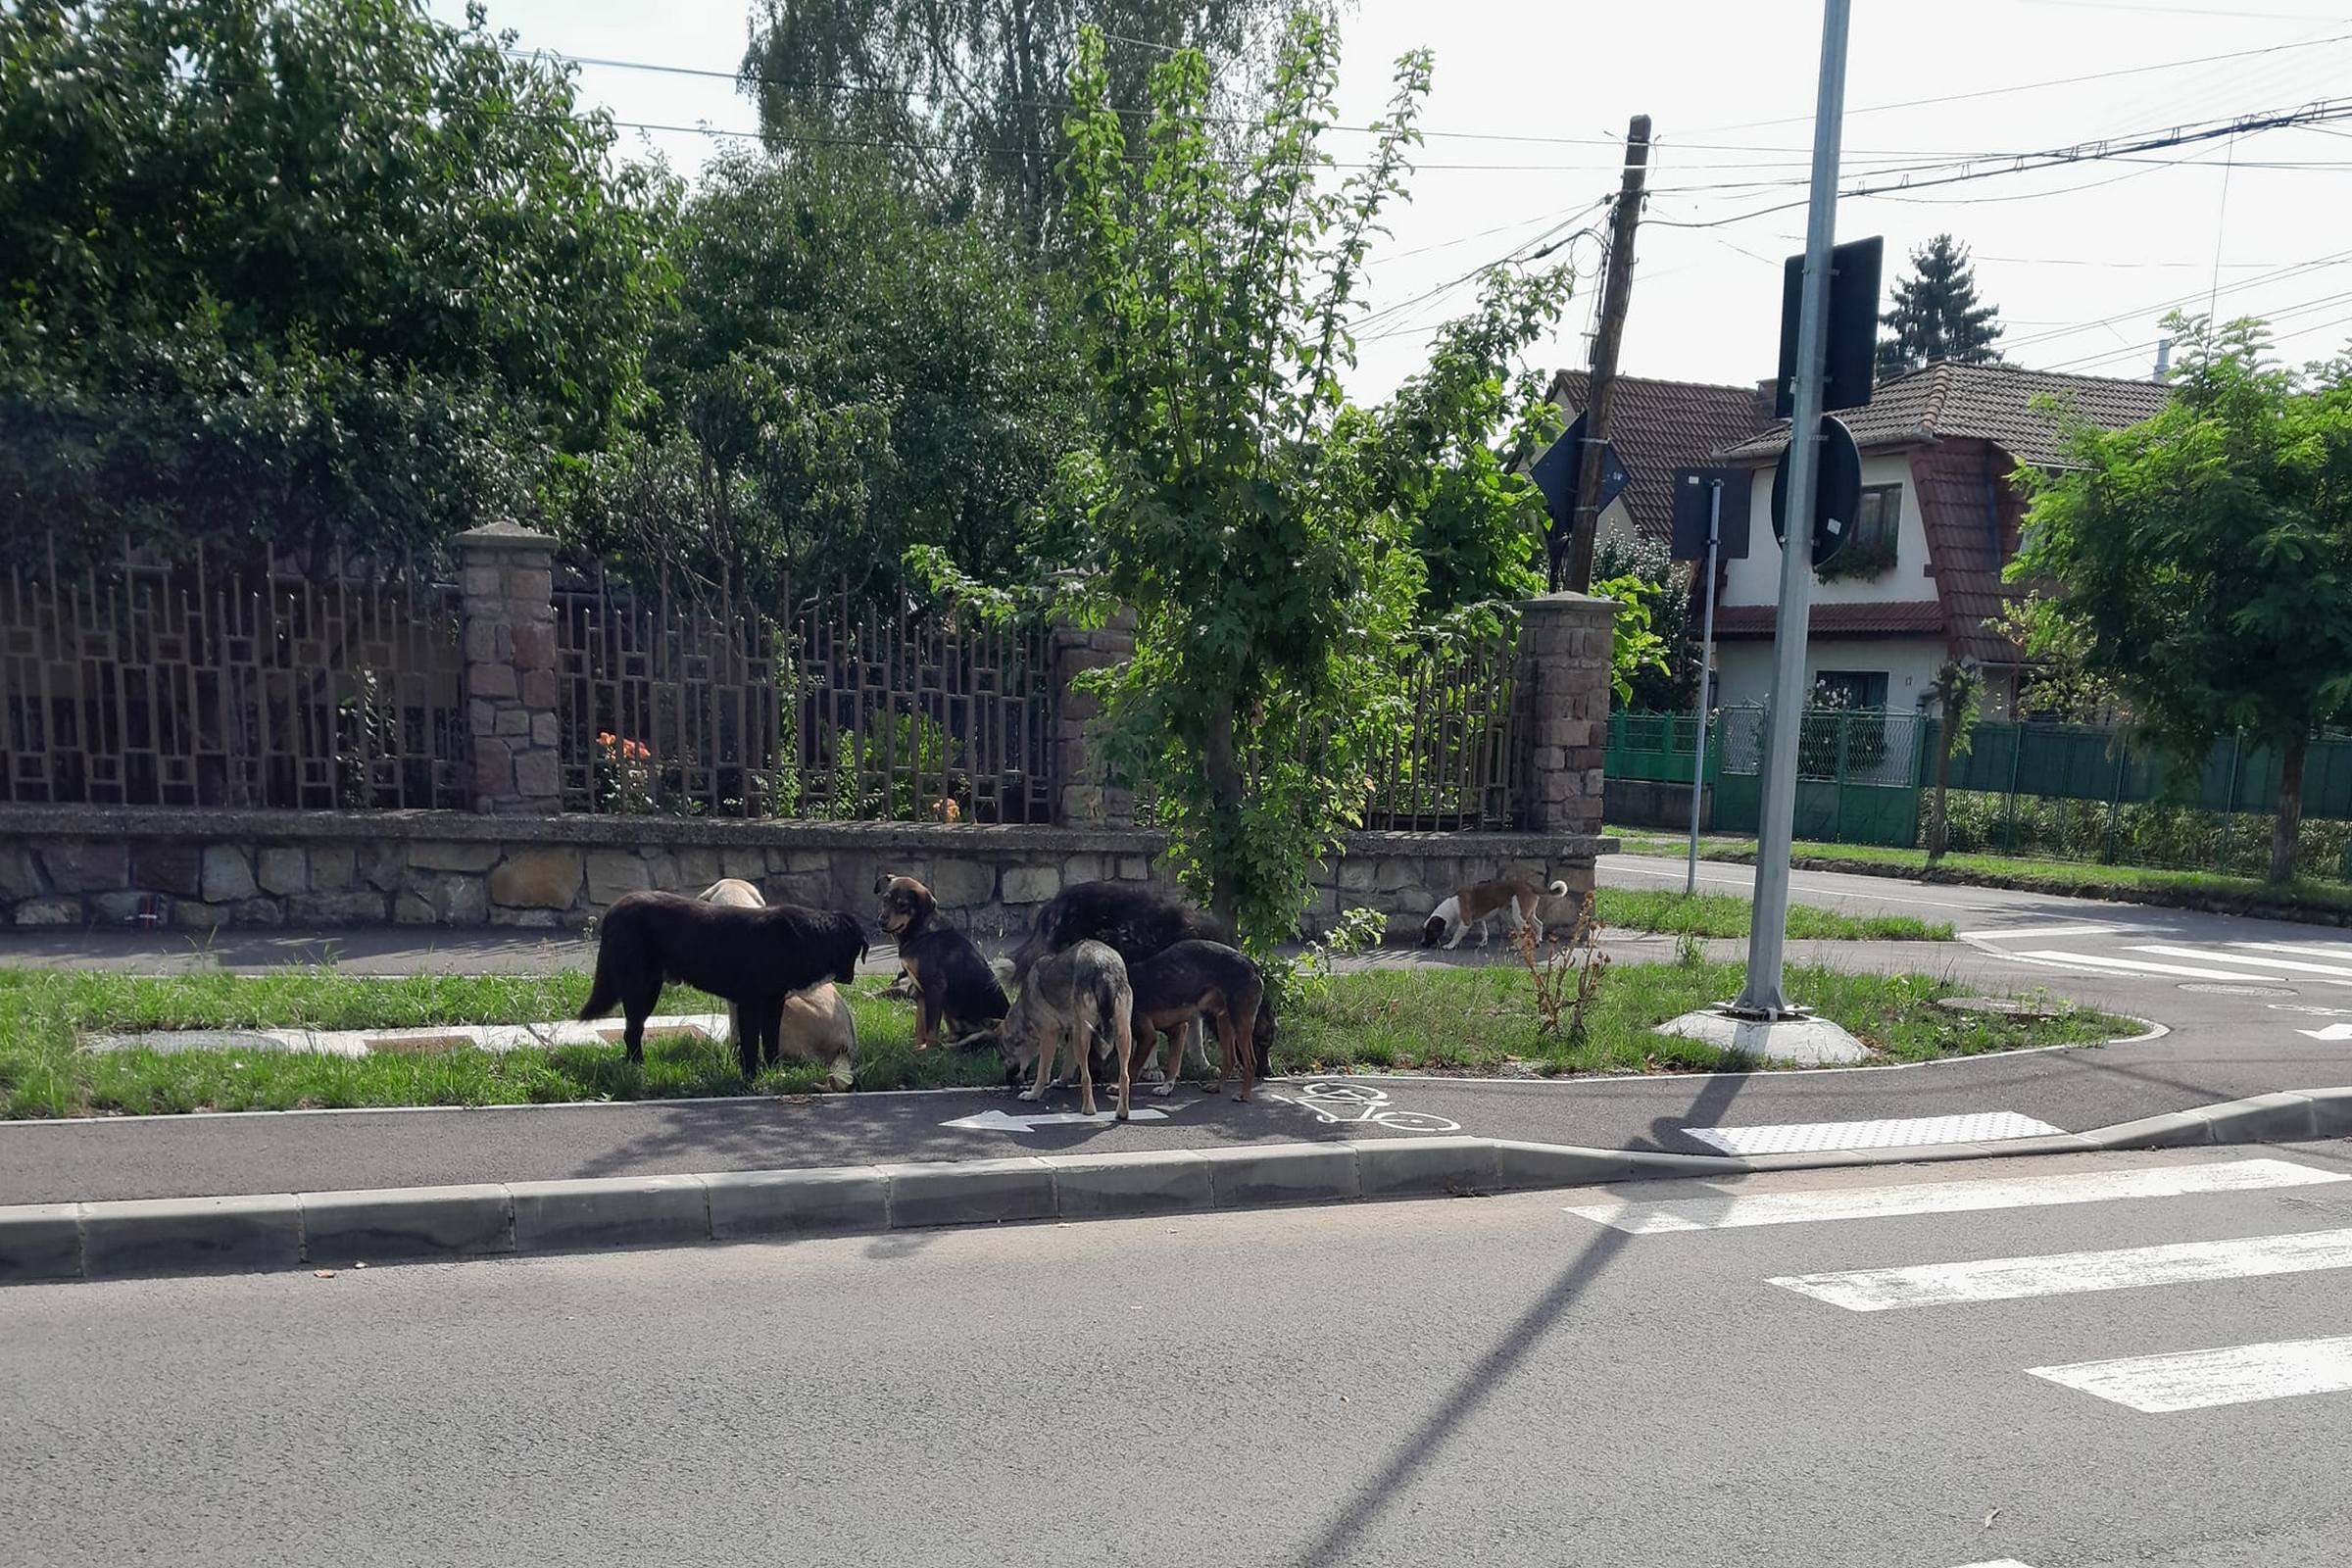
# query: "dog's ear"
x,y
882,882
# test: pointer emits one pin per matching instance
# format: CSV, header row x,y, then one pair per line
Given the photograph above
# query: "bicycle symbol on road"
x,y
1343,1104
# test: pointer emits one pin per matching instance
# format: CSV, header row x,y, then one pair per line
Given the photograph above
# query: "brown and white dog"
x,y
816,1025
1512,898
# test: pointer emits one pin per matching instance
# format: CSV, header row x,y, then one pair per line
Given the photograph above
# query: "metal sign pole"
x,y
1762,996
1706,671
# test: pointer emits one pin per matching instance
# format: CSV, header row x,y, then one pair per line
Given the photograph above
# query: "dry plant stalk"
x,y
1567,974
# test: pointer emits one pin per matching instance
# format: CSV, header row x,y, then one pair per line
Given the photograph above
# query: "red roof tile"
x,y
1986,402
1917,617
1658,426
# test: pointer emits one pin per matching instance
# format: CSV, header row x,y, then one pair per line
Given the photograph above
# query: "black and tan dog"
x,y
1208,980
952,984
1138,921
751,959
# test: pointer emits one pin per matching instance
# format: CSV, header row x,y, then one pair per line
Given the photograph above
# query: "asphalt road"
x,y
2246,1004
1498,1382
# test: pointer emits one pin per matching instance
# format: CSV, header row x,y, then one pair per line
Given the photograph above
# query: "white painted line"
x,y
1736,1210
1817,1136
2197,1380
1999,1562
2341,952
2016,1279
2141,966
2334,1030
1002,1122
2336,971
2020,933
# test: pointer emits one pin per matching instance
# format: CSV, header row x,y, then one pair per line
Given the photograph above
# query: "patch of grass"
x,y
2127,883
1449,1019
1720,914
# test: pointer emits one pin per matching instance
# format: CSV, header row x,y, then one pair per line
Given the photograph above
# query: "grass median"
x,y
2329,902
1479,1019
1720,914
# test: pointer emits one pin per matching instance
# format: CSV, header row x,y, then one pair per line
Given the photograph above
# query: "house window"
x,y
1879,519
1850,688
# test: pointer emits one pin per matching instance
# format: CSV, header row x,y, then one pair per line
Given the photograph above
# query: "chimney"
x,y
2163,358
1767,393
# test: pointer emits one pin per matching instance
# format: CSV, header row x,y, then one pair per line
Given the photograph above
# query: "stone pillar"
x,y
1086,798
508,624
1565,642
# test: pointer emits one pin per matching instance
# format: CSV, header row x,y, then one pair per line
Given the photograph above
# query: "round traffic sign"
x,y
1836,490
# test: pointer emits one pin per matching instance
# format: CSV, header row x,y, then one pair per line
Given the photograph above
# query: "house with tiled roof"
x,y
1919,579
1658,426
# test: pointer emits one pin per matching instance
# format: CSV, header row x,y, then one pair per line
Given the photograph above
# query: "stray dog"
x,y
901,985
952,983
1512,898
816,1024
1083,992
1138,921
1200,980
751,959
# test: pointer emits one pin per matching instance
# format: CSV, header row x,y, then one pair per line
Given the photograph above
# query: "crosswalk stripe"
x,y
2012,1278
2141,966
2300,966
2021,933
1736,1210
1815,1137
2341,952
2197,1380
2001,1562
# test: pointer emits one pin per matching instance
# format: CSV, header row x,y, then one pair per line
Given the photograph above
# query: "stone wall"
x,y
75,866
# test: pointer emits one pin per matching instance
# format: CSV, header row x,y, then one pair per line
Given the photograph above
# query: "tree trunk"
x,y
2289,821
1225,813
1938,826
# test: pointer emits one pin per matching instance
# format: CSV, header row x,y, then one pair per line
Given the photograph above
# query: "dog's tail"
x,y
1558,890
604,992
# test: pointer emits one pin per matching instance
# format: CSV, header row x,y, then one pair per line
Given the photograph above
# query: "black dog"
x,y
751,957
952,983
1205,980
1138,921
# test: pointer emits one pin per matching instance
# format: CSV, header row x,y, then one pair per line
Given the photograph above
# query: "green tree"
x,y
2204,556
971,93
304,273
1955,696
845,377
1660,676
1936,313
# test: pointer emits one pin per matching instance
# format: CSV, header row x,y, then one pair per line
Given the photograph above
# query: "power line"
x,y
2034,86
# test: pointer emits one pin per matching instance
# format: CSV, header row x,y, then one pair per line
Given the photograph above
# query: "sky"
x,y
1526,121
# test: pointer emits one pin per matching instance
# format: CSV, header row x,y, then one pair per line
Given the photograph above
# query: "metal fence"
x,y
1459,765
693,707
147,682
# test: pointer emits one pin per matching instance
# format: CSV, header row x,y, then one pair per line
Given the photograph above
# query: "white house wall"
x,y
1743,668
1756,581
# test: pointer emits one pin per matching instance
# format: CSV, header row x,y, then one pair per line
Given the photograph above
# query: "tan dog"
x,y
816,1025
1512,898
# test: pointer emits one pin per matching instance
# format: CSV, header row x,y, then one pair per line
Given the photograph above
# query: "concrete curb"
x,y
47,1243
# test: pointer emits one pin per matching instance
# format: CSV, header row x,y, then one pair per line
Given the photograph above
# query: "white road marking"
x,y
2334,1030
2142,967
1736,1210
2197,1380
2014,1279
2020,933
1004,1121
2341,952
2338,971
1814,1137
1999,1562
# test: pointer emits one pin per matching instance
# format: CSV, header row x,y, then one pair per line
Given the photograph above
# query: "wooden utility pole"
x,y
1616,283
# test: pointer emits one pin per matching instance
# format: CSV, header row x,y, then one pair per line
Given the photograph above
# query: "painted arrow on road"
x,y
2334,1030
1000,1121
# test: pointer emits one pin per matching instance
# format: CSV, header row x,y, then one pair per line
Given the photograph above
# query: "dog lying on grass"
x,y
1081,992
953,984
751,959
816,1024
1192,980
1512,898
